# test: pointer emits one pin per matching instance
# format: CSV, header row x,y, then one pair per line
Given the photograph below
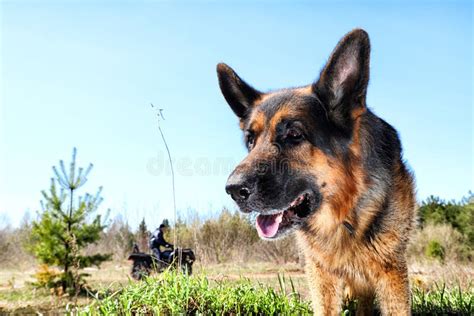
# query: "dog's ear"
x,y
342,85
237,92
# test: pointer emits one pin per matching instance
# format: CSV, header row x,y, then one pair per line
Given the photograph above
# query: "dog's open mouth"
x,y
269,225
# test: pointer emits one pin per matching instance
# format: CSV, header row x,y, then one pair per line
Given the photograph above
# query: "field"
x,y
236,273
230,288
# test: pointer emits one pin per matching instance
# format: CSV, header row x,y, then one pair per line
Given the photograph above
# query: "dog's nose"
x,y
238,192
237,189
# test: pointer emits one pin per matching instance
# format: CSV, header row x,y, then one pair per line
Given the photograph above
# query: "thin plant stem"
x,y
172,178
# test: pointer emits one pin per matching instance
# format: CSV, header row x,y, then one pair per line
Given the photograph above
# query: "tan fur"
x,y
341,264
351,251
366,267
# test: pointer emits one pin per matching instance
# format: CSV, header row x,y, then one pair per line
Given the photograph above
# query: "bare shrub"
x,y
188,229
226,238
452,241
117,239
142,236
278,251
5,245
230,237
14,243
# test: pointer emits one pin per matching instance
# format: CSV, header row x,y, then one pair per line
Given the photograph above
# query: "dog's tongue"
x,y
267,225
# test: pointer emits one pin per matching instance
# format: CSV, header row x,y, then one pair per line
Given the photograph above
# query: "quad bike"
x,y
143,263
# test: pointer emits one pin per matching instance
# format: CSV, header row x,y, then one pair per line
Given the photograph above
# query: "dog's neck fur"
x,y
370,204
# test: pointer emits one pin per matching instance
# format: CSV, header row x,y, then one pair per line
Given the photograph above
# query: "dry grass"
x,y
17,294
427,274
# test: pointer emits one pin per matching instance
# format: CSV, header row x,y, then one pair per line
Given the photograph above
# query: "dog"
x,y
321,164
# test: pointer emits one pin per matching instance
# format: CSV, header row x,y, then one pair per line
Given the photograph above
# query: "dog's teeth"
x,y
298,201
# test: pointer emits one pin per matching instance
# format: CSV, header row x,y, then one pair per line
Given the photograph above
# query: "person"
x,y
157,240
135,248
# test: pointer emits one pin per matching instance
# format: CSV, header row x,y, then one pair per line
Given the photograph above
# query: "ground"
x,y
17,295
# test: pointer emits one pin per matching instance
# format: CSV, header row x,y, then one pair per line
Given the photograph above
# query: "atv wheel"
x,y
187,268
139,270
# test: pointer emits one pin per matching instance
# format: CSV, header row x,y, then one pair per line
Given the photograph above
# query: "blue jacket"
x,y
157,240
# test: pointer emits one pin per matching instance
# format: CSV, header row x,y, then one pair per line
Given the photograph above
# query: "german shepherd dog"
x,y
323,165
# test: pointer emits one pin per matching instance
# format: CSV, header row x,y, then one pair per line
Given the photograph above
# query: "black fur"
x,y
325,118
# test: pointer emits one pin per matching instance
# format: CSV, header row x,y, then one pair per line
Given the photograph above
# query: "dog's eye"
x,y
294,134
250,140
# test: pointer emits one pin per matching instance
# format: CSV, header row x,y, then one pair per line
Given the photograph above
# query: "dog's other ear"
x,y
342,85
237,92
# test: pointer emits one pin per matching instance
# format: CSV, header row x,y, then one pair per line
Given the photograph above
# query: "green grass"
x,y
172,294
443,301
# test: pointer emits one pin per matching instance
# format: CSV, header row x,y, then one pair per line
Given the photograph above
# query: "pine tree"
x,y
142,236
65,227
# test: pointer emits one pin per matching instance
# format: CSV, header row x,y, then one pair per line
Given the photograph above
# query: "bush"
x,y
47,277
452,241
13,252
435,250
230,237
279,251
227,237
459,215
6,247
117,239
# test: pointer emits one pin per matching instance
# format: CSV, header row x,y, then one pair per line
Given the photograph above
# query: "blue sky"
x,y
83,74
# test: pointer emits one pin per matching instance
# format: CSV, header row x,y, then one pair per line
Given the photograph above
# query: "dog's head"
x,y
302,141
